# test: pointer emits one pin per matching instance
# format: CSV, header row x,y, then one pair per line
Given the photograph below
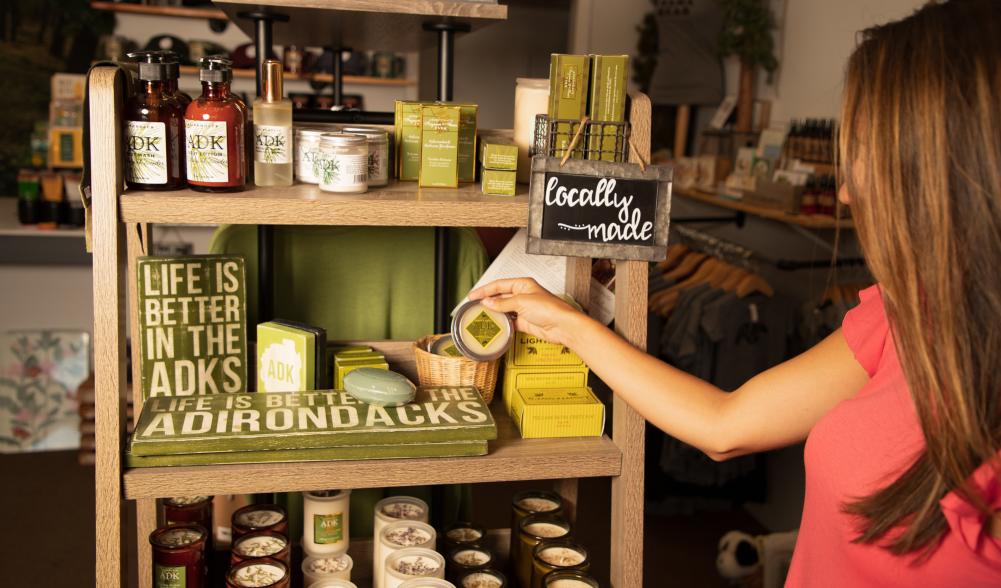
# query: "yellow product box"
x,y
66,147
345,365
530,351
558,412
516,378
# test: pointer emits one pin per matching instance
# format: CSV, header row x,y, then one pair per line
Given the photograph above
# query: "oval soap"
x,y
379,387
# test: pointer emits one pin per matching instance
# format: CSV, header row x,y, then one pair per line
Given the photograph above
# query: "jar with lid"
x,y
412,562
464,560
259,573
308,157
569,579
397,536
561,554
378,154
261,544
260,517
345,163
524,504
463,534
487,578
179,556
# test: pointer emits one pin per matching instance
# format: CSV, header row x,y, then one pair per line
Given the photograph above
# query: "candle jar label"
x,y
169,576
271,143
483,328
328,528
208,155
146,146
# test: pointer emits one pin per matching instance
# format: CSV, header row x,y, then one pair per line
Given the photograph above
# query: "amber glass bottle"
x,y
214,131
154,130
173,73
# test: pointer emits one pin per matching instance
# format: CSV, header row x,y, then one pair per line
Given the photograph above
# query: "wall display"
x,y
479,333
598,209
192,325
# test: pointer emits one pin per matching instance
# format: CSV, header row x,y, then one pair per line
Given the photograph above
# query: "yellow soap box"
x,y
558,412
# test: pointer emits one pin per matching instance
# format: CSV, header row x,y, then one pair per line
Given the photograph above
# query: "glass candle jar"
x,y
325,529
259,573
378,154
569,579
389,510
179,556
463,534
345,163
533,530
332,584
189,509
397,536
531,97
427,583
326,567
260,544
527,503
550,556
488,578
308,157
260,517
464,560
413,562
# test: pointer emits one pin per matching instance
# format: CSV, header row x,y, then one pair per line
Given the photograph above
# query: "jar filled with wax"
x,y
527,503
532,530
345,163
260,544
463,534
154,129
179,556
569,579
308,157
400,535
214,130
427,583
413,562
326,567
333,584
260,517
463,560
553,555
389,510
189,509
481,334
273,154
259,573
488,578
378,154
325,523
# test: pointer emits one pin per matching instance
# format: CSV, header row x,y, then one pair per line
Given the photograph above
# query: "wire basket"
x,y
441,370
607,141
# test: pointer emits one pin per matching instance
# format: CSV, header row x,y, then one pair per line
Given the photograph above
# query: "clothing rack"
x,y
747,258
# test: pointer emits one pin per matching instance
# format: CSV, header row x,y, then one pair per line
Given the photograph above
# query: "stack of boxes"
x,y
348,359
499,174
592,85
436,143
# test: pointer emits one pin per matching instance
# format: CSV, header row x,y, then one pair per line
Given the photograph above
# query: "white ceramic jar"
x,y
325,527
378,154
400,535
345,163
413,562
389,510
308,156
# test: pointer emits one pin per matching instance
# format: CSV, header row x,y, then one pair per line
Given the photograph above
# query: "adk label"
x,y
207,155
146,149
272,143
281,367
169,576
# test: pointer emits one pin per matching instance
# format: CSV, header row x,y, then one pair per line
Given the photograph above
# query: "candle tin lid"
x,y
178,536
569,579
257,573
342,140
481,334
488,578
373,135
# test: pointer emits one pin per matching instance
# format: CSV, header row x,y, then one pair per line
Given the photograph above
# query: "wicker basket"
x,y
440,370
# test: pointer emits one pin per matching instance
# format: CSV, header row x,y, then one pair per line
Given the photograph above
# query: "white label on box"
x,y
146,149
272,143
207,154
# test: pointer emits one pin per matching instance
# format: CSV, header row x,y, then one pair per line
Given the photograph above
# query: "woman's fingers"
x,y
505,287
502,303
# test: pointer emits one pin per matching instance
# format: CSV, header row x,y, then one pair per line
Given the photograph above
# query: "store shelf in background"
x,y
399,204
510,458
320,77
809,221
381,25
179,11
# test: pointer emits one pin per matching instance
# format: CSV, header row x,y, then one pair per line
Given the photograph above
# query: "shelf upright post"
x,y
338,76
263,28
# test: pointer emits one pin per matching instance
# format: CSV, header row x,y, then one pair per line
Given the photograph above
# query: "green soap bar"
x,y
379,387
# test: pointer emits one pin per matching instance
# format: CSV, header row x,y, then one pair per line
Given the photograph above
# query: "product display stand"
x,y
120,220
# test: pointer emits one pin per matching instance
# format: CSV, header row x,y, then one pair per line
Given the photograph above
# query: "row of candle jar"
x,y
349,161
542,554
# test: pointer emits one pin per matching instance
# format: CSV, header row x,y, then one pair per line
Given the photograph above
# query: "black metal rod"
x,y
790,265
262,46
446,50
737,219
338,77
316,115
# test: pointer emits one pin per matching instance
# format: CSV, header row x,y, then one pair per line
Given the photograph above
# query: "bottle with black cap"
x,y
173,73
272,130
154,130
214,126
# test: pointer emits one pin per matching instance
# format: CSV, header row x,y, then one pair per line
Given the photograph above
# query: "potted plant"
x,y
747,34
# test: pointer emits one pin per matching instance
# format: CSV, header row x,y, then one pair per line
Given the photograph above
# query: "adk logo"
x,y
281,367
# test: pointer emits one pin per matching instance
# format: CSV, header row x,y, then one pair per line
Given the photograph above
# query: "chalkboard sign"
x,y
598,209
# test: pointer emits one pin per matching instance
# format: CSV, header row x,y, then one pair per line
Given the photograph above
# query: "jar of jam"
x,y
260,517
535,529
259,573
550,556
179,556
527,503
261,544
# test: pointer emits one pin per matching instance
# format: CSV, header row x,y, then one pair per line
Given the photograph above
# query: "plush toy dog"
x,y
760,561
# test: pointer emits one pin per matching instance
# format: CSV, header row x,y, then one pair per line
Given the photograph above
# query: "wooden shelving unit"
x,y
319,77
817,221
179,11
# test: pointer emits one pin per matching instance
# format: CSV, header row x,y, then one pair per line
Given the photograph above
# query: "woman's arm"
x,y
774,409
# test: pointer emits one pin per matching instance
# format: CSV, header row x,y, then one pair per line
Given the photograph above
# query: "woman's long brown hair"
x,y
920,150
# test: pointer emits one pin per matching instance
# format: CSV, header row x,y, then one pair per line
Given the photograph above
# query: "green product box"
x,y
467,142
498,155
568,82
408,139
607,103
439,146
558,412
499,182
286,358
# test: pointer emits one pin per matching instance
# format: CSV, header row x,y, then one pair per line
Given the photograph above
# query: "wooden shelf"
x,y
817,221
320,77
178,11
399,204
510,458
381,25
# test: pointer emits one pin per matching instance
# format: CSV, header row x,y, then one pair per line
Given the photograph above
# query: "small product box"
x,y
558,412
517,378
607,103
499,182
467,142
66,147
408,139
290,357
568,82
345,364
497,155
531,351
439,146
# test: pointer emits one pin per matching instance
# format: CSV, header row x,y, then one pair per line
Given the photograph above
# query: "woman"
x,y
901,408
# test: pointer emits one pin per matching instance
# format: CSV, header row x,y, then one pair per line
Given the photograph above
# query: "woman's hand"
x,y
540,313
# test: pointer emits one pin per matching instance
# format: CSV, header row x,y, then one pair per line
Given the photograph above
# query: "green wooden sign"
x,y
312,419
192,325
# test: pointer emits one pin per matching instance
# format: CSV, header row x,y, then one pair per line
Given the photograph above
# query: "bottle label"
x,y
272,143
169,576
328,528
483,329
344,171
207,153
146,148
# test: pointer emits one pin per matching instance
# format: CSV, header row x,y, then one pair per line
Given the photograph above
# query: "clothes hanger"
x,y
754,283
675,253
689,264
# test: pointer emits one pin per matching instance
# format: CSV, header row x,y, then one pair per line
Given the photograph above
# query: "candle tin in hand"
x,y
260,544
179,556
260,517
481,334
532,530
259,573
552,555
